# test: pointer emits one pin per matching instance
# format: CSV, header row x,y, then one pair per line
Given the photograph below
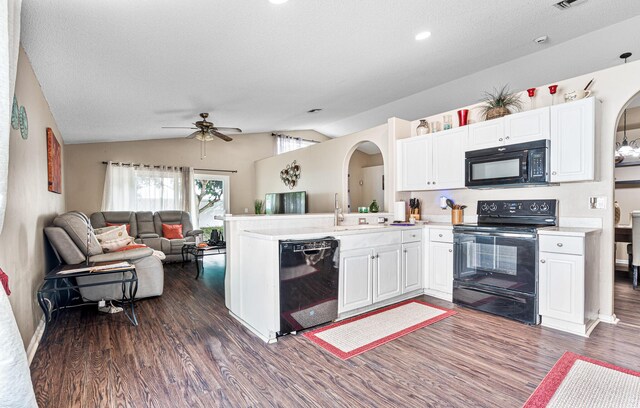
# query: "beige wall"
x,y
30,206
360,160
85,171
324,168
615,87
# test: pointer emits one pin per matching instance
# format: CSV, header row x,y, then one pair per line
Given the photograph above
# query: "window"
x,y
285,143
211,198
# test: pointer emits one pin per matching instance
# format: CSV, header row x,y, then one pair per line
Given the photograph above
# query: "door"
x,y
573,140
485,134
561,287
356,279
441,267
411,266
527,126
211,199
448,158
413,163
388,277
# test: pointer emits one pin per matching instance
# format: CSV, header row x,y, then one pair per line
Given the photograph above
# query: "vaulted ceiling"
x,y
121,69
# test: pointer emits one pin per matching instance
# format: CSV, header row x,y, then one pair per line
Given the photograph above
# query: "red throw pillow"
x,y
172,231
129,247
111,224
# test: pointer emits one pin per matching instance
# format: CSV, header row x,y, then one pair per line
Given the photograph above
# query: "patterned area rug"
x,y
354,336
578,381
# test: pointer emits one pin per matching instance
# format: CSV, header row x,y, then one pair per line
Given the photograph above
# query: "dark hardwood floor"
x,y
188,352
627,300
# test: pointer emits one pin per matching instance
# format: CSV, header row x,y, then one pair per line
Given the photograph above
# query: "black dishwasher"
x,y
308,283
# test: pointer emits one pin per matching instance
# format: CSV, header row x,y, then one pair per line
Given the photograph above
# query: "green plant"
x,y
258,205
500,98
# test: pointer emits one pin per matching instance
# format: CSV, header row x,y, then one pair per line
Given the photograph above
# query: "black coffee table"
x,y
190,248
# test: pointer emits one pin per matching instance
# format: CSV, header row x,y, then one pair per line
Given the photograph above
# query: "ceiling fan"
x,y
206,131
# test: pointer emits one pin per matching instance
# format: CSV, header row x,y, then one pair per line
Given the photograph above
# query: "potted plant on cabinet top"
x,y
499,103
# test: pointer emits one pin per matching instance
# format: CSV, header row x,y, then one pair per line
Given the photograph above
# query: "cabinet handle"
x,y
428,182
559,244
500,140
451,250
553,173
373,257
440,235
377,256
542,261
405,251
434,182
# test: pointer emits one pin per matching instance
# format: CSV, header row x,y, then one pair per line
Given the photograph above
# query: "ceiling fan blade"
x,y
220,135
193,135
228,129
178,127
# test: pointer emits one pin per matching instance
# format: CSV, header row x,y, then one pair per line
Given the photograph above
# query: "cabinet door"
x,y
448,158
527,126
485,134
561,290
411,266
387,281
356,279
413,161
441,267
572,141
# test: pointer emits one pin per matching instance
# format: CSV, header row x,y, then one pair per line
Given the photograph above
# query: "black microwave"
x,y
522,164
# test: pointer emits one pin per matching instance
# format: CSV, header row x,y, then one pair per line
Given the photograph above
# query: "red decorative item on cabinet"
x,y
463,116
552,90
531,92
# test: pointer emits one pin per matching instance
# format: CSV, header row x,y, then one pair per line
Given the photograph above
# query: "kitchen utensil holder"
x,y
457,217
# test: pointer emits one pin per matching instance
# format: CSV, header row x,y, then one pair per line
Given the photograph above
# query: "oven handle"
x,y
498,234
515,299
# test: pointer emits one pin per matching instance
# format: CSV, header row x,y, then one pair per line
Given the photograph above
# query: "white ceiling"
x,y
121,69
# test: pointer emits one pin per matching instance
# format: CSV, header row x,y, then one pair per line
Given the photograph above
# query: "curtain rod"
x,y
158,166
297,138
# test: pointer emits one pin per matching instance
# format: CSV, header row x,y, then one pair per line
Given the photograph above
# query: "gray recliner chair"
x,y
150,232
68,236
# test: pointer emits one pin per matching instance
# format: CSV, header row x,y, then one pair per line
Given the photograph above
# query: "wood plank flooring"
x,y
188,352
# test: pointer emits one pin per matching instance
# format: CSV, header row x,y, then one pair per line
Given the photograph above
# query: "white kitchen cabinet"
x,y
573,127
356,279
387,273
411,266
568,282
413,163
515,128
432,162
441,267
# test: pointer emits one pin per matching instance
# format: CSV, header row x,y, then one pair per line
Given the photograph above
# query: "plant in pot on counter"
x,y
499,103
258,206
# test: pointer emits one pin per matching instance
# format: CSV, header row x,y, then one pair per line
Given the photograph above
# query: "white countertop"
x,y
572,231
319,232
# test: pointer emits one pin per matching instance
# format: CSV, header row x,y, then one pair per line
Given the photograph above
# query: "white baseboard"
x,y
35,340
611,319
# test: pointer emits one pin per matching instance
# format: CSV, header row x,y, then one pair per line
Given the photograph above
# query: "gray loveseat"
x,y
68,236
146,228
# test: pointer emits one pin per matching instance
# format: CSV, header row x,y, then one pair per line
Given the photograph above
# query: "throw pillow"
x,y
172,231
130,247
113,238
111,224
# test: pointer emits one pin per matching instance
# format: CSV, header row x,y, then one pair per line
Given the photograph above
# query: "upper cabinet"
x,y
432,162
515,128
573,127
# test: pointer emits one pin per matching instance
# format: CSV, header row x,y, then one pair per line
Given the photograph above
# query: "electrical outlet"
x,y
598,203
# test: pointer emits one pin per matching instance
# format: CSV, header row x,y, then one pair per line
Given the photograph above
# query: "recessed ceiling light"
x,y
278,1
423,35
314,110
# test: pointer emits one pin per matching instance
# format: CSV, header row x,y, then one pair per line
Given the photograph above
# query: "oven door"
x,y
497,169
496,260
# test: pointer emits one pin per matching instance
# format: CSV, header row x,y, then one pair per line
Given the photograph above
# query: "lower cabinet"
x,y
411,266
441,267
356,278
387,282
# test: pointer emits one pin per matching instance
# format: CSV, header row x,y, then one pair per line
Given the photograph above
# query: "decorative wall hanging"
x,y
15,114
24,123
290,175
54,163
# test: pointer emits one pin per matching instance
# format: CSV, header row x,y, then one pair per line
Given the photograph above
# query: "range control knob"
x,y
534,207
544,207
493,207
484,207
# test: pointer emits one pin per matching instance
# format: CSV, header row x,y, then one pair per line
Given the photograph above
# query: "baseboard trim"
x,y
611,319
35,340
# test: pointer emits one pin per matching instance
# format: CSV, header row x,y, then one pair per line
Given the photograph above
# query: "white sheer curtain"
x,y
189,195
9,50
286,143
133,188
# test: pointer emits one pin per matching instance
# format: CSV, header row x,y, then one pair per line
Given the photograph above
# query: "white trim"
x,y
269,340
35,340
611,319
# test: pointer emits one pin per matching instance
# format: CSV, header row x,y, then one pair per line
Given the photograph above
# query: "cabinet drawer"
x,y
441,235
411,235
562,244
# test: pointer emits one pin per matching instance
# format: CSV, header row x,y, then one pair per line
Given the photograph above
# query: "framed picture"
x,y
54,163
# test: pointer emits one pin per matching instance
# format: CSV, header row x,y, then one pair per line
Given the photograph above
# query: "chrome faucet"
x,y
337,212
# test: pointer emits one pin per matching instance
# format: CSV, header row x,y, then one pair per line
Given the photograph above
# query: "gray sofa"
x,y
68,236
146,228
